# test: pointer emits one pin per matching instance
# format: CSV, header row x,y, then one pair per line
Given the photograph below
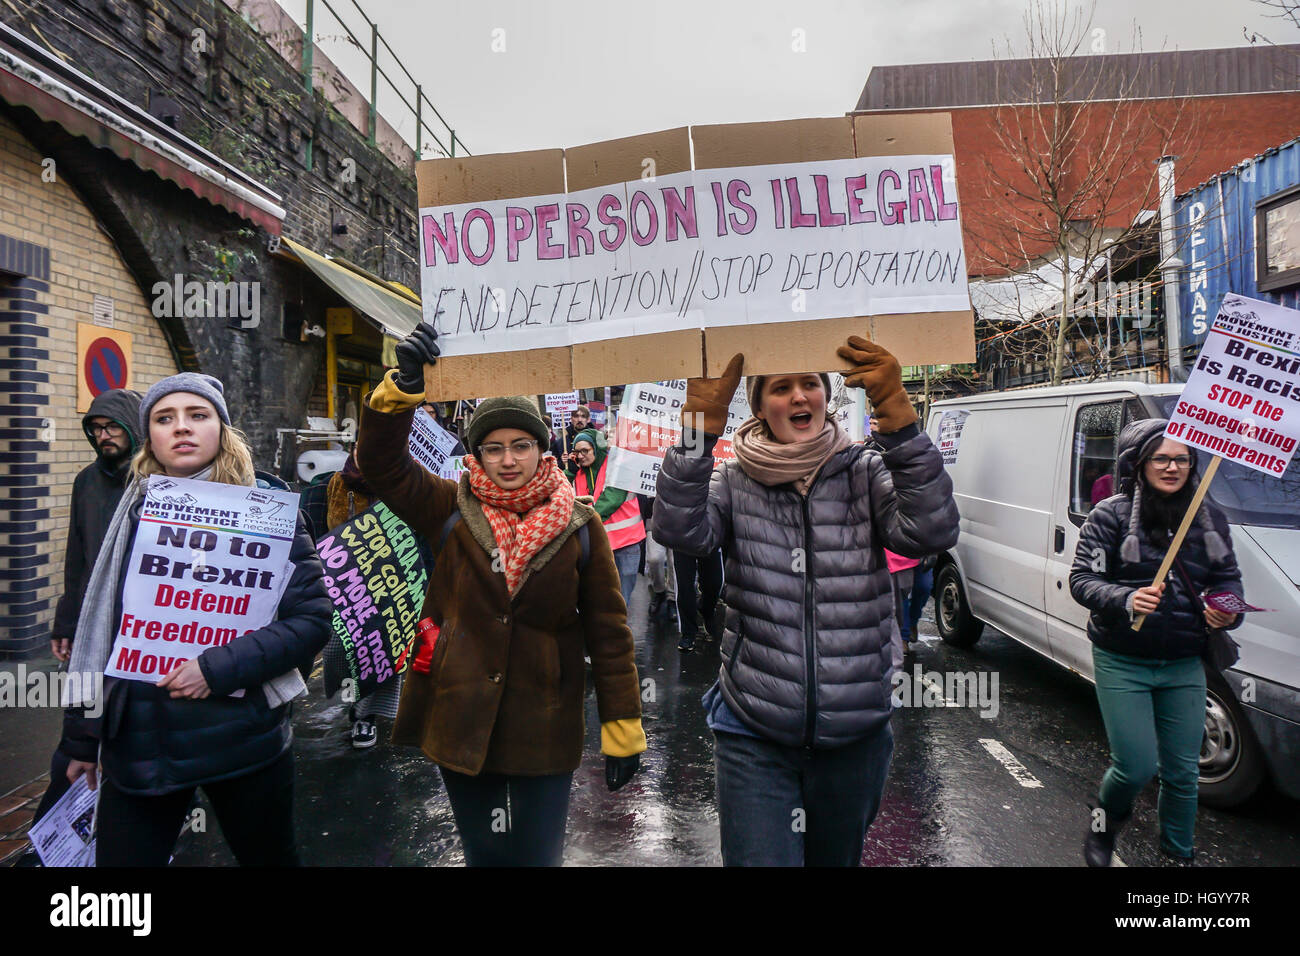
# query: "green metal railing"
x,y
376,71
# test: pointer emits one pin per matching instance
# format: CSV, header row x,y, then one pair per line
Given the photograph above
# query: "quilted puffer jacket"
x,y
806,652
1102,582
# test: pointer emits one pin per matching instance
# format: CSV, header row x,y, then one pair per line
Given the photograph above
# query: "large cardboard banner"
x,y
780,240
376,580
209,565
649,423
1242,399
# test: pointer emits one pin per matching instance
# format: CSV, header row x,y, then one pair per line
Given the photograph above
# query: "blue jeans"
x,y
509,821
1154,711
794,806
914,602
627,560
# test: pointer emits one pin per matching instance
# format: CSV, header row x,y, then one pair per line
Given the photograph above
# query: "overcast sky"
x,y
568,72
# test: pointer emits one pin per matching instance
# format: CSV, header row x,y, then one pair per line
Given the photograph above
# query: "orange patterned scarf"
x,y
524,520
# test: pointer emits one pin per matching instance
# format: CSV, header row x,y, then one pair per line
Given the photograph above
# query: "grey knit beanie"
x,y
1137,443
196,383
513,411
754,388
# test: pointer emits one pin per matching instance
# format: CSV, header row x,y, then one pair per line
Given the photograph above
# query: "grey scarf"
x,y
93,641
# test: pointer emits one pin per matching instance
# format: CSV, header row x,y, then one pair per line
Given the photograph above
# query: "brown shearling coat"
x,y
504,692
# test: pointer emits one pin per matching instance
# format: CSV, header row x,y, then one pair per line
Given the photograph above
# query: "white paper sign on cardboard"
x,y
871,235
1242,399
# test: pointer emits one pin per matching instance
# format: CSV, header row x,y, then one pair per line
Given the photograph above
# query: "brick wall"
x,y
59,258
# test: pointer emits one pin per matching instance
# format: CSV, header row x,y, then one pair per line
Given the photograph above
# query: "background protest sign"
x,y
431,444
376,580
560,406
209,564
1242,399
951,425
696,255
649,423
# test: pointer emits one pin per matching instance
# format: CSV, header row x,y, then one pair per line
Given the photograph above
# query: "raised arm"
x,y
911,493
422,500
696,501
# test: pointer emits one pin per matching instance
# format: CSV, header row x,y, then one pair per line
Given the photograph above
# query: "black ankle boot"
x,y
1099,845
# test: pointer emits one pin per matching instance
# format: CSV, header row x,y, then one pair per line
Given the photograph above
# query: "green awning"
x,y
394,313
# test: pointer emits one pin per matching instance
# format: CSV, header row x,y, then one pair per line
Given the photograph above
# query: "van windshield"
x,y
1248,496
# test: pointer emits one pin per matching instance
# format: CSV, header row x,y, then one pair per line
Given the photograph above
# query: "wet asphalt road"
x,y
948,801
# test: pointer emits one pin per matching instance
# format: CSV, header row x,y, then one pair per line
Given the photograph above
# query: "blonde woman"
x,y
155,743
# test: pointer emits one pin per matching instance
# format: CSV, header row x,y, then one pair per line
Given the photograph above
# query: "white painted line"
x,y
1014,767
1116,861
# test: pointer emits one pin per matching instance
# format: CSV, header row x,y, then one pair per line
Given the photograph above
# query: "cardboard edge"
x,y
719,146
884,134
622,160
655,357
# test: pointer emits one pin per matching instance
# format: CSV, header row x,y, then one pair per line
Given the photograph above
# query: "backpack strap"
x,y
447,526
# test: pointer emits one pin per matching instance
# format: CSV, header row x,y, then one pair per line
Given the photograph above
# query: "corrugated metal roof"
x,y
1223,72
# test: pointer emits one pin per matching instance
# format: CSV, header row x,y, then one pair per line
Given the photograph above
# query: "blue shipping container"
x,y
1215,228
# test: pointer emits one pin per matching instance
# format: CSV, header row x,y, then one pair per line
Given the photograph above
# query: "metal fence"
x,y
371,51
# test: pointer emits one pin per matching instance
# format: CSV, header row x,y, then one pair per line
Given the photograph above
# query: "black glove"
x,y
619,770
414,352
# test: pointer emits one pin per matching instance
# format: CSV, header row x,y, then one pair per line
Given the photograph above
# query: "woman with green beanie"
x,y
619,510
523,587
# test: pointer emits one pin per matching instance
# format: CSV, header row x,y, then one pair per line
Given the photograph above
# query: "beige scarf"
x,y
770,462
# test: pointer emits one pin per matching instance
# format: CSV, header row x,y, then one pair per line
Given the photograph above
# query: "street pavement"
x,y
1005,789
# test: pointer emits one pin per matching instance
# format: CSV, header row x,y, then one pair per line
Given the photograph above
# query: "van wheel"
x,y
951,612
1232,766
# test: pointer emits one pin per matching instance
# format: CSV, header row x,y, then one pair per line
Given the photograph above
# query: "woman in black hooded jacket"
x,y
1151,682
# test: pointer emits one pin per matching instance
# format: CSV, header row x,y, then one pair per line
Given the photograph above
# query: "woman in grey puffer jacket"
x,y
801,710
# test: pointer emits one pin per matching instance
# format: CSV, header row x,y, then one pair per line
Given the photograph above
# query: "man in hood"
x,y
110,427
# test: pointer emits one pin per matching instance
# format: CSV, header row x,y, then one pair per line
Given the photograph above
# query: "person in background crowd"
x,y
801,711
524,585
658,568
696,608
348,496
913,580
619,511
902,572
110,426
556,444
157,742
1151,682
579,421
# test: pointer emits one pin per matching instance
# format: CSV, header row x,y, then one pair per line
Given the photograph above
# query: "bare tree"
x,y
1075,135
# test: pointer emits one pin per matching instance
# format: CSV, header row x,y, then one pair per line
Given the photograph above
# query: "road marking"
x,y
1014,767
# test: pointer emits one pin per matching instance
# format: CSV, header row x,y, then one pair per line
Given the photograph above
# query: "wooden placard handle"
x,y
1177,543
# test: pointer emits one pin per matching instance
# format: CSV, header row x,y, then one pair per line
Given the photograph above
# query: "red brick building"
x,y
1224,105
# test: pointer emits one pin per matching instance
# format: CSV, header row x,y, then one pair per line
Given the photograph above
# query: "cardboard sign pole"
x,y
1177,543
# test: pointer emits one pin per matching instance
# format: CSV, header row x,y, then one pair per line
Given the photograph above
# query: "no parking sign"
x,y
103,362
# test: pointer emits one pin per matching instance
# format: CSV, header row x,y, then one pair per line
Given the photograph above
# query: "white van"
x,y
1027,467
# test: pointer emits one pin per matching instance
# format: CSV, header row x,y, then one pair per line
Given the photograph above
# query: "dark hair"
x,y
1161,513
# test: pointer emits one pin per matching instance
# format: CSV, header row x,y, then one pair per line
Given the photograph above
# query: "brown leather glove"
x,y
878,372
708,399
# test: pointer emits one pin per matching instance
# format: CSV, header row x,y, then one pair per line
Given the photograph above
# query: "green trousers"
x,y
1154,711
